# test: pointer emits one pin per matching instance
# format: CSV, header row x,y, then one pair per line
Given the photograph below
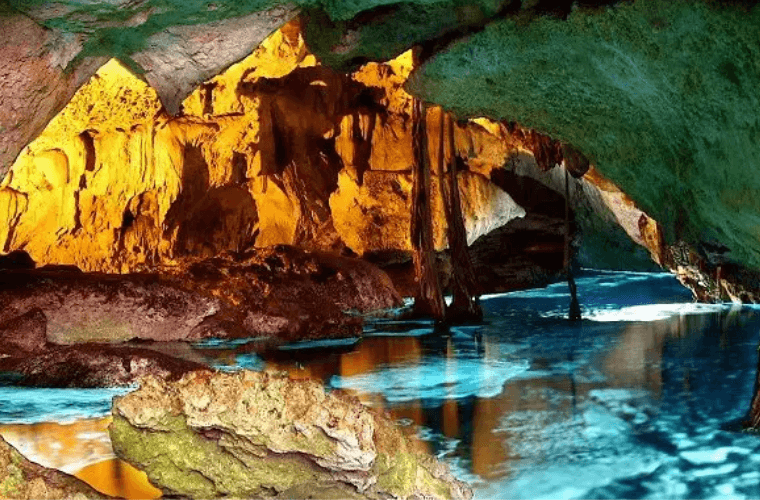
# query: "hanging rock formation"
x,y
665,113
38,77
252,434
658,95
277,149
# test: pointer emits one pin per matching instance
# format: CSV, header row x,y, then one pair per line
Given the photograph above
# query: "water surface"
x,y
632,402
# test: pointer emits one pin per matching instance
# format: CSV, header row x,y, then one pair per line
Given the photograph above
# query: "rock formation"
x,y
251,434
276,150
665,112
20,478
279,149
652,111
281,292
39,73
91,365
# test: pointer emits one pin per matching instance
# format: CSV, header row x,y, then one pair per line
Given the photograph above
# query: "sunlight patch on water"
x,y
437,379
651,312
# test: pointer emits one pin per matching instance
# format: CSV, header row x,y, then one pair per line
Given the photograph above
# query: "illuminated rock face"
x,y
276,150
654,92
263,435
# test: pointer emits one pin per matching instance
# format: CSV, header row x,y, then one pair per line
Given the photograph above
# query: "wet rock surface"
x,y
93,365
20,478
253,434
280,292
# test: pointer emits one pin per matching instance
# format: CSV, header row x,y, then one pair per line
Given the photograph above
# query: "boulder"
x,y
20,478
252,434
85,307
283,293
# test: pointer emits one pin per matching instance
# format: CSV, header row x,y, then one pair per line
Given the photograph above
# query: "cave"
x,y
369,249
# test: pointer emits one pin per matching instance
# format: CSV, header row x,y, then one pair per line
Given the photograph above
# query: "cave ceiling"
x,y
660,95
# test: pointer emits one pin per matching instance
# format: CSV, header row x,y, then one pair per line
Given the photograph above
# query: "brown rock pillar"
x,y
464,306
575,308
429,300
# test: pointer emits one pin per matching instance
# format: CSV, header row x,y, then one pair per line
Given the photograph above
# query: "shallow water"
x,y
630,403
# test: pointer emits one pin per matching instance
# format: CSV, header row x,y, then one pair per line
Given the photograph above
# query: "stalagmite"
x,y
429,299
464,306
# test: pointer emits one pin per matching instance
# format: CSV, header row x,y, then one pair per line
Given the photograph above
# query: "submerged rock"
x,y
94,365
253,434
20,478
282,292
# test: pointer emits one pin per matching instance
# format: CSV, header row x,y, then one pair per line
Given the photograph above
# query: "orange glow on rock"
x,y
277,149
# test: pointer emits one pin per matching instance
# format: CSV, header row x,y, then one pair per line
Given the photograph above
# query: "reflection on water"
x,y
628,404
83,449
68,447
117,478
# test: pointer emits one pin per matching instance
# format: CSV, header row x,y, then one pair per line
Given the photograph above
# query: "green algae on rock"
x,y
252,434
660,95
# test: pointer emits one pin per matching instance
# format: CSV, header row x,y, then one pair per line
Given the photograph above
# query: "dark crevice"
x,y
89,150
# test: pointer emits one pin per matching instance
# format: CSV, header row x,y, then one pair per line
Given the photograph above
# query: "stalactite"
x,y
464,306
429,299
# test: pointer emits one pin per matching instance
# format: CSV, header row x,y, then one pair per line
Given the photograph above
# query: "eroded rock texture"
x,y
278,149
37,78
659,95
251,434
654,93
283,293
20,478
91,365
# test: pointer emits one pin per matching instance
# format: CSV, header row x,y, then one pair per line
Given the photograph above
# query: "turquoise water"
x,y
633,402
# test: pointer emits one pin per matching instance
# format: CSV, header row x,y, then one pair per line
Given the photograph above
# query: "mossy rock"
x,y
250,434
660,95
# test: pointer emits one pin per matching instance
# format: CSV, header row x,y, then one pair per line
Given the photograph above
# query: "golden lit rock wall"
x,y
277,149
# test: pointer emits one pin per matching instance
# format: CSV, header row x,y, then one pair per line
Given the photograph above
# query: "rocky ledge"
x,y
280,292
251,434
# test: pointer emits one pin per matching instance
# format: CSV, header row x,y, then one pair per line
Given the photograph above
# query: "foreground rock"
x,y
254,434
29,359
20,478
280,292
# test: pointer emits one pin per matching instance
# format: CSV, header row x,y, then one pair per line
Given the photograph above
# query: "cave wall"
x,y
277,149
660,95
